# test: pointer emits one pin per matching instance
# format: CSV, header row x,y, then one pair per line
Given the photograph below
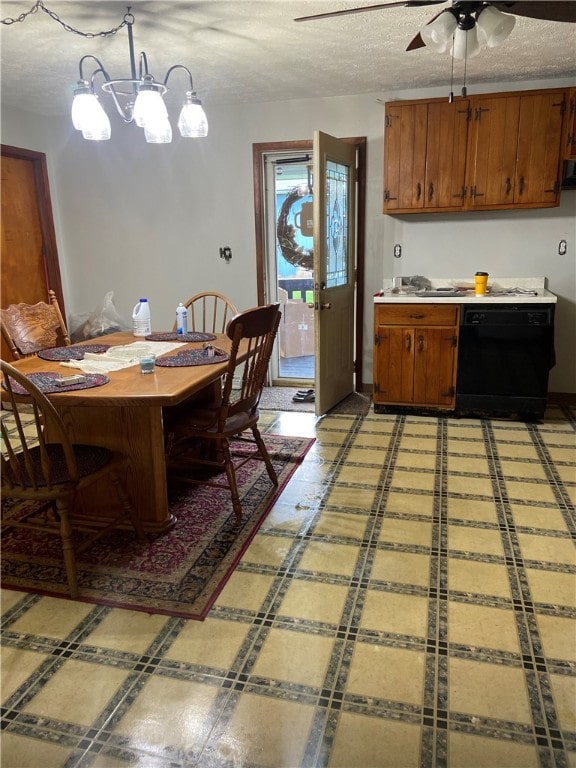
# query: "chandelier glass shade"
x,y
137,99
462,31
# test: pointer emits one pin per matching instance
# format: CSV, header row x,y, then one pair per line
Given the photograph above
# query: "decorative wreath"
x,y
293,253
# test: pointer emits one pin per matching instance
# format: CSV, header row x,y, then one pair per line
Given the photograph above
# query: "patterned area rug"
x,y
178,574
280,399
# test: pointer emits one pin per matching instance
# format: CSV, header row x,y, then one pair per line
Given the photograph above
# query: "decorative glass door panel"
x,y
337,184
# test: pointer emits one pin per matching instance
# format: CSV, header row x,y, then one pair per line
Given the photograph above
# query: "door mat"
x,y
280,399
178,574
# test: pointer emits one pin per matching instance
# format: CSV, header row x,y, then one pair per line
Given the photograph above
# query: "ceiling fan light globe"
x,y
466,44
438,34
494,26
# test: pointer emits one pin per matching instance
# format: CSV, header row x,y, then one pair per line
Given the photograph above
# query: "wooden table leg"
x,y
137,433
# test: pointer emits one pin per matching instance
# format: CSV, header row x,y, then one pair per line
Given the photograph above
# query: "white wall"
x,y
146,220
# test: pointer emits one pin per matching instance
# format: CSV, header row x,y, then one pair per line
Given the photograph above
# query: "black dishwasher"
x,y
505,354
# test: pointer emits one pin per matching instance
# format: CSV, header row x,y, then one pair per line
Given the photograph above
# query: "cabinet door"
x,y
446,139
539,148
404,156
492,151
570,146
394,365
434,366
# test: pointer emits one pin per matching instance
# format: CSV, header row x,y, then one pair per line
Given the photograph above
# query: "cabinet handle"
x,y
408,342
420,343
521,186
508,185
430,192
417,316
418,191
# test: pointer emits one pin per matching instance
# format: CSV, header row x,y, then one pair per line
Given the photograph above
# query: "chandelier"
x,y
137,99
463,29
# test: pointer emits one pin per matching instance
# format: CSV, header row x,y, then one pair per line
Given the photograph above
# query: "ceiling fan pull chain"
x,y
464,89
451,96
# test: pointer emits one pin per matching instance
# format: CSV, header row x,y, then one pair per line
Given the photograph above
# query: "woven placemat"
x,y
192,357
45,382
173,336
72,352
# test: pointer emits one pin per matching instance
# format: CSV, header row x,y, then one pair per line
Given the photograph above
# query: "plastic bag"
x,y
104,319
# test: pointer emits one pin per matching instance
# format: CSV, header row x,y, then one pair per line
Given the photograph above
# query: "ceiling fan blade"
x,y
548,11
416,43
380,6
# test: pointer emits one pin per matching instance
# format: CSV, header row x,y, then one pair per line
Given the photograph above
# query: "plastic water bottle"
x,y
181,319
141,318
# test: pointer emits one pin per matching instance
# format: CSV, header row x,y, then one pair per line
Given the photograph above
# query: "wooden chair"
x,y
40,464
29,328
228,420
209,312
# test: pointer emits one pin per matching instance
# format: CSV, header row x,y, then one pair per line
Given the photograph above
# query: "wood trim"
x,y
51,262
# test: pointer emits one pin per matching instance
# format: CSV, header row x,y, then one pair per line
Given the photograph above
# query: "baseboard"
x,y
562,398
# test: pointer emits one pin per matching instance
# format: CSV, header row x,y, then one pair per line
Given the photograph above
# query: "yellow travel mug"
x,y
480,283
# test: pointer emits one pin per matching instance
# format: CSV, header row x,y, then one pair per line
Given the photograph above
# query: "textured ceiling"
x,y
253,51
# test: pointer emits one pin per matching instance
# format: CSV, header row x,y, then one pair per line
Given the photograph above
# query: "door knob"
x,y
326,305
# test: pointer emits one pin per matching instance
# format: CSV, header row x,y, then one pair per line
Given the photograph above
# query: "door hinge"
x,y
376,387
478,112
449,392
562,105
461,194
454,341
376,339
555,189
387,196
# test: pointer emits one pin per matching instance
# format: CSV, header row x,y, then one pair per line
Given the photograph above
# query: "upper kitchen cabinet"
x,y
425,156
515,150
487,152
570,145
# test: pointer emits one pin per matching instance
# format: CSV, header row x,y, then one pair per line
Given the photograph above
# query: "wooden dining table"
x,y
127,414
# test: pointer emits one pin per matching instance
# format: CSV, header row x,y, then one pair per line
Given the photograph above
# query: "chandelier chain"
x,y
128,19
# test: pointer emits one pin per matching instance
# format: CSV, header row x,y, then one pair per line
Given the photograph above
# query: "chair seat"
x,y
205,422
89,459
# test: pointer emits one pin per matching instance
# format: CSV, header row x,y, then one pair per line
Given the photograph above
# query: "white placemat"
x,y
125,356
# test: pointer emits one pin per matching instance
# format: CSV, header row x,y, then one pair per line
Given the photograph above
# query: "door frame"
x,y
44,203
258,152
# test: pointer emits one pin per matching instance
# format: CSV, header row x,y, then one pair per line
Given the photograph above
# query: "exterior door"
x,y
334,269
29,256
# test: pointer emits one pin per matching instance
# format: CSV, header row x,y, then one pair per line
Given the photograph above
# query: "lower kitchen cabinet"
x,y
415,354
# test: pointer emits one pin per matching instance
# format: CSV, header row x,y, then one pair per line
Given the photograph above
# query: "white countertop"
x,y
496,292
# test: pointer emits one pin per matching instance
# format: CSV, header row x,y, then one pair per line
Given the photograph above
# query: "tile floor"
x,y
409,601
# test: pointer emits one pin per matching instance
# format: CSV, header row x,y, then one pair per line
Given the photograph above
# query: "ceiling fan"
x,y
465,24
